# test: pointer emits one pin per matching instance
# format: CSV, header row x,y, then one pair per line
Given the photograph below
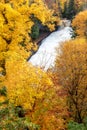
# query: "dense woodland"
x,y
31,98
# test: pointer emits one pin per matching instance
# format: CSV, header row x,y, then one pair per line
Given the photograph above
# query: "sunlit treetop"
x,y
24,82
80,24
16,22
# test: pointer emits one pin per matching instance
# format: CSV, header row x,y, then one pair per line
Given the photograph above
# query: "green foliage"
x,y
74,34
69,9
35,31
10,118
77,126
3,91
64,13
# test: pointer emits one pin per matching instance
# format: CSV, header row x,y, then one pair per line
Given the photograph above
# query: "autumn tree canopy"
x,y
71,68
50,111
15,47
80,24
24,83
16,22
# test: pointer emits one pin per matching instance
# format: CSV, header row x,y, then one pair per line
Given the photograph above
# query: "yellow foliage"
x,y
15,26
80,24
3,44
80,3
62,2
49,111
16,22
24,83
71,68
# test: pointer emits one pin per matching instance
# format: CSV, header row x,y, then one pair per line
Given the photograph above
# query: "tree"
x,y
25,86
57,6
24,82
81,5
12,117
80,24
76,126
64,12
35,31
15,26
71,9
16,23
50,112
71,67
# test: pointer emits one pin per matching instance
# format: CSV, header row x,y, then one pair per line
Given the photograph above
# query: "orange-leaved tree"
x,y
71,68
80,24
50,112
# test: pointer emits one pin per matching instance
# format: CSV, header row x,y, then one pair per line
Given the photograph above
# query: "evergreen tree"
x,y
59,8
64,13
35,31
71,12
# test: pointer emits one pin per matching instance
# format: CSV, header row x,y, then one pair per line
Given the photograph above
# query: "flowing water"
x,y
46,54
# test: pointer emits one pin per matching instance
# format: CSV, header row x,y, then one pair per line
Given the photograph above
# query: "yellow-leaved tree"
x,y
24,82
50,112
16,23
80,24
71,69
15,26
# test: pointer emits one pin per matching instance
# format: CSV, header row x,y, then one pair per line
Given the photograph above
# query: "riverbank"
x,y
45,56
41,37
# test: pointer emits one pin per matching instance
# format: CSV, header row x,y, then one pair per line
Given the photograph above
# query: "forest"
x,y
32,98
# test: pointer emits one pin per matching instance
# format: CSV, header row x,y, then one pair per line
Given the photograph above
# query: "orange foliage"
x,y
71,68
80,24
50,112
24,83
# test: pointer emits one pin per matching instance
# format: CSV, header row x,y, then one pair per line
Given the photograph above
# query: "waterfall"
x,y
46,54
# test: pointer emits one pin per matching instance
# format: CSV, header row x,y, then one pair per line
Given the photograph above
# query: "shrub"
x,y
76,126
35,31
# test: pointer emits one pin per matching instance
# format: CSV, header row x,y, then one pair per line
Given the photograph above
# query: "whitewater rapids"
x,y
46,54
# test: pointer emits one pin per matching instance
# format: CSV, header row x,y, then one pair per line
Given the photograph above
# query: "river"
x,y
46,54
